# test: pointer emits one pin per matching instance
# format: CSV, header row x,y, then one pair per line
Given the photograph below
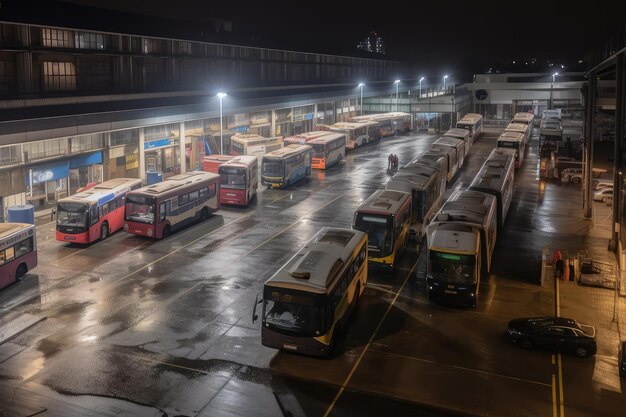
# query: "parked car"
x,y
573,175
553,333
603,194
600,184
621,359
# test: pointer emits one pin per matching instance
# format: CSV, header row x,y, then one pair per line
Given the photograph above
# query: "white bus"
x,y
521,128
310,298
457,144
391,123
18,251
253,144
286,166
328,150
441,156
426,181
239,180
513,140
472,122
496,177
460,243
462,134
524,118
357,134
303,138
451,155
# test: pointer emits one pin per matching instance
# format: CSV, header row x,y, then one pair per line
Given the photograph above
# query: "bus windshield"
x,y
452,267
72,214
233,177
294,311
140,208
273,168
319,150
379,230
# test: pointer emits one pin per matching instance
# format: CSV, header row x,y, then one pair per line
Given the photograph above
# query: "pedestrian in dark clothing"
x,y
390,162
53,213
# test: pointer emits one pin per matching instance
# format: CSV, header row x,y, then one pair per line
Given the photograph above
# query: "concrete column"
x,y
273,123
314,117
617,156
183,159
590,132
142,157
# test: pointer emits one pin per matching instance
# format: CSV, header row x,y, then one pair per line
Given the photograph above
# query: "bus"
x,y
18,251
519,127
513,140
305,137
357,134
450,153
425,180
391,123
212,162
309,300
253,144
239,180
496,177
286,166
472,122
328,150
460,242
455,143
158,209
386,218
462,134
526,118
95,213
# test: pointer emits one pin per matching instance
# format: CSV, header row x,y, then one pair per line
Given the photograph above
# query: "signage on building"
x,y
49,172
239,129
308,116
132,161
160,143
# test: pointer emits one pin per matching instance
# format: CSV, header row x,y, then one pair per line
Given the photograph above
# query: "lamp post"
x,y
551,87
444,83
397,83
452,112
361,85
421,79
221,95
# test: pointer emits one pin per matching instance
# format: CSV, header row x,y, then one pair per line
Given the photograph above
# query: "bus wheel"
x,y
21,271
166,231
104,231
204,214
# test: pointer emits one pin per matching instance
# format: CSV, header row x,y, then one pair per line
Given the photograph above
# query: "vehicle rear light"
x,y
149,232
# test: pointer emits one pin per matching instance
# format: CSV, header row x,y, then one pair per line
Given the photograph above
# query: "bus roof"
x,y
240,161
307,136
353,125
7,229
318,264
492,174
175,182
467,206
470,118
523,117
412,177
287,151
456,132
332,136
252,138
379,116
387,202
511,135
218,158
449,141
517,127
103,192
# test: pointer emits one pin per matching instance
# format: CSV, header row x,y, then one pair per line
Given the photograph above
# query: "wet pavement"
x,y
135,327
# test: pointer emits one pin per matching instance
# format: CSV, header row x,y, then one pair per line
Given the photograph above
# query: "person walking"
x,y
557,264
390,162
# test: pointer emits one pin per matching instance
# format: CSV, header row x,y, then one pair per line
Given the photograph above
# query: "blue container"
x,y
21,214
154,176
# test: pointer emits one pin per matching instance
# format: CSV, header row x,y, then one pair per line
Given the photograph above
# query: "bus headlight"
x,y
149,232
126,227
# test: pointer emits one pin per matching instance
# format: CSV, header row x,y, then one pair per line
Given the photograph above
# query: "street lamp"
x,y
551,87
421,79
361,85
444,83
221,95
397,83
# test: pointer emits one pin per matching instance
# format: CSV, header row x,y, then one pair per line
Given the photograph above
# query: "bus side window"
x,y
24,247
162,212
2,257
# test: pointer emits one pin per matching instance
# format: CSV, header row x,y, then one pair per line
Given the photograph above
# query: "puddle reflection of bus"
x,y
286,166
95,213
239,180
158,209
309,300
18,251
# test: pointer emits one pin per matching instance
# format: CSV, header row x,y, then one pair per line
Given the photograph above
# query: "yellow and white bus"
x,y
390,123
310,298
386,218
357,133
253,144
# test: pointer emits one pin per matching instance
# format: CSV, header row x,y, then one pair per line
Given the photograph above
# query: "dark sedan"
x,y
553,333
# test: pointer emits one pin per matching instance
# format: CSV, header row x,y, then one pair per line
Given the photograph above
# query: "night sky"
x,y
436,36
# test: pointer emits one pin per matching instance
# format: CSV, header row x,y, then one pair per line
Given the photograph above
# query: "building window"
x,y
7,76
151,46
87,142
184,47
86,40
98,76
124,137
59,76
10,155
44,149
57,38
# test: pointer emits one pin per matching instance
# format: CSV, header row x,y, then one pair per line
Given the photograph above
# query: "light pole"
x,y
221,95
444,83
421,79
361,85
397,83
551,87
452,112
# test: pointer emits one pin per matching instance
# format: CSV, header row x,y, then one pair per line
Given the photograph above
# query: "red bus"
x,y
239,180
18,251
158,209
95,213
212,162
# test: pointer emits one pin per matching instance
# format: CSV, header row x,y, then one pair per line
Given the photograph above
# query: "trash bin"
x,y
24,213
154,176
587,266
